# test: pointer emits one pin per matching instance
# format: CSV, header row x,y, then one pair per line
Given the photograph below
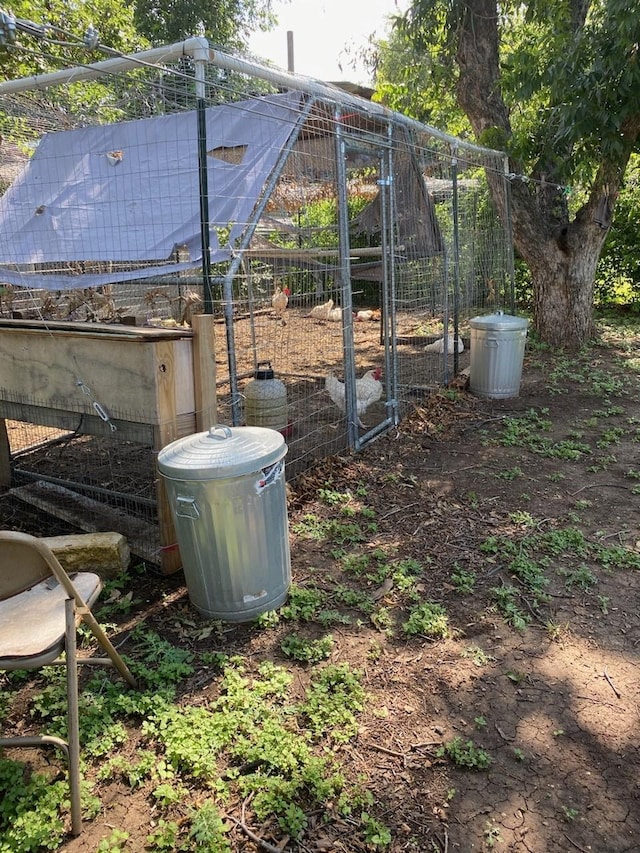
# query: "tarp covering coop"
x,y
129,193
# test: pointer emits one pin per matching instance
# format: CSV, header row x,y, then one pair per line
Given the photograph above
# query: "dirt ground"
x,y
556,703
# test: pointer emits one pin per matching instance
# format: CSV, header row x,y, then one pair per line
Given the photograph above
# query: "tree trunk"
x,y
563,280
562,255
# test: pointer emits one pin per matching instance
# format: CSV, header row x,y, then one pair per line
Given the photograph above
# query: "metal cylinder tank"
x,y
226,490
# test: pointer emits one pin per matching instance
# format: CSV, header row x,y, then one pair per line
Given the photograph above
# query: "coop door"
x,y
367,246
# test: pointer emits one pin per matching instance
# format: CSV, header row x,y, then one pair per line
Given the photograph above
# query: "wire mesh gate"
x,y
198,182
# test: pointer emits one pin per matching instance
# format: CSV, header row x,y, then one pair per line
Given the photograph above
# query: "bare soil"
x,y
555,705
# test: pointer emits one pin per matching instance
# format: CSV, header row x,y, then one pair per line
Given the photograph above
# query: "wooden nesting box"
x,y
145,385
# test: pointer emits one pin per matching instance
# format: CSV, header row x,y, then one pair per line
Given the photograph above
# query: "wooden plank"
x,y
74,328
204,371
80,372
83,512
166,432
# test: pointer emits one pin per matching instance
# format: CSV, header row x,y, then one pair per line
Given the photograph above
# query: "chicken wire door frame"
x,y
379,154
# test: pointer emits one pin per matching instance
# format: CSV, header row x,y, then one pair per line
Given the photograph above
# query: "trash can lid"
x,y
222,452
499,322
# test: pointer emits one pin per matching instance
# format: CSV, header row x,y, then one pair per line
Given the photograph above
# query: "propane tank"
x,y
266,400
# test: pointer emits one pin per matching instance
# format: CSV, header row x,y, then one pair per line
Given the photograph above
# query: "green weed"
x,y
428,620
208,829
303,603
308,651
477,655
582,577
464,580
507,601
334,698
465,754
164,837
115,843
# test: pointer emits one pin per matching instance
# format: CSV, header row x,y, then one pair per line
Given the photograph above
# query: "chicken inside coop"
x,y
368,391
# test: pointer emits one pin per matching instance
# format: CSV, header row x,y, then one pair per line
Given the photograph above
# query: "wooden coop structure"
x,y
201,215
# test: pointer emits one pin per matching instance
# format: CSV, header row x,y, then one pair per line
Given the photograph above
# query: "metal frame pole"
x,y
456,273
203,182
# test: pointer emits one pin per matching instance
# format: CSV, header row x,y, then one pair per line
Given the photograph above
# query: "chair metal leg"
x,y
108,647
73,718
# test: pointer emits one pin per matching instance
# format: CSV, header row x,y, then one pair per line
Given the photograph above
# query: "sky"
x,y
321,31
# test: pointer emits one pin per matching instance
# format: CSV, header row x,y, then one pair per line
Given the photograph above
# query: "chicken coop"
x,y
182,231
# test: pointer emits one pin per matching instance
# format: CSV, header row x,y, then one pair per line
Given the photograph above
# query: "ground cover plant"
x,y
455,667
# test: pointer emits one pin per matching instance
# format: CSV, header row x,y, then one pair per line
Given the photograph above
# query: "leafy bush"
x,y
618,273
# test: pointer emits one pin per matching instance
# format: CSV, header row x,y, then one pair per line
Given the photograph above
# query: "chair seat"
x,y
32,624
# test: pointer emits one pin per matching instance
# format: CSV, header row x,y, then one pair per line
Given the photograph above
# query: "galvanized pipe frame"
x,y
198,48
333,96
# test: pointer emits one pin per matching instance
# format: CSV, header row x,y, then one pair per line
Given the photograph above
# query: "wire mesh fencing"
x,y
338,249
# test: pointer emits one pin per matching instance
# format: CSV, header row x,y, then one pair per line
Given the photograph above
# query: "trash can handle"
x,y
226,432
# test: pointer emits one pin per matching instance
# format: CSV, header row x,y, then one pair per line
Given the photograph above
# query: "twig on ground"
x,y
384,749
577,846
271,848
598,486
502,734
444,844
612,685
397,509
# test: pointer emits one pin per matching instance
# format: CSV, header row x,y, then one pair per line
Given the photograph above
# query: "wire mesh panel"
x,y
334,244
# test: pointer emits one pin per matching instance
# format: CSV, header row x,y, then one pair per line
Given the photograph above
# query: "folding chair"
x,y
41,607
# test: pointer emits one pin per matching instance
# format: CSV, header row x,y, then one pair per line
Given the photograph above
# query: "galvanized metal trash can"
x,y
497,353
226,489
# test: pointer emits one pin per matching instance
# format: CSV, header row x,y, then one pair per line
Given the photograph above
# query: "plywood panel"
x,y
91,371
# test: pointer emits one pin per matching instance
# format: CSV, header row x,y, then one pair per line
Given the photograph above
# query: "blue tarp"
x,y
128,193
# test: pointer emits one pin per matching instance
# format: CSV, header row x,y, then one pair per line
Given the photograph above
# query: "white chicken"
x,y
438,346
321,312
367,314
368,391
280,300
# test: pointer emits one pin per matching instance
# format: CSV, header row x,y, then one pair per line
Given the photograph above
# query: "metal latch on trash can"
x,y
187,507
270,475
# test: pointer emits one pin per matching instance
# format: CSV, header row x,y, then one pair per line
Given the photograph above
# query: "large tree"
x,y
555,83
226,23
56,38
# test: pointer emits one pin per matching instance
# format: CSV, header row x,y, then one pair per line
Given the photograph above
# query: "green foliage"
x,y
226,22
428,620
208,830
308,651
318,222
507,600
164,837
374,831
114,843
303,603
163,664
30,810
582,578
618,273
334,697
465,754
